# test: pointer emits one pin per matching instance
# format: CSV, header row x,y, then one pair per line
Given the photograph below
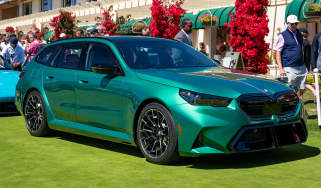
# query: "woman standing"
x,y
33,48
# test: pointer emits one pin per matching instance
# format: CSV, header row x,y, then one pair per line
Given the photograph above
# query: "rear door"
x,y
59,80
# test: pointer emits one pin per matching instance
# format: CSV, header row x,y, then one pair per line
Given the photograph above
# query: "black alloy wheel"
x,y
35,115
157,134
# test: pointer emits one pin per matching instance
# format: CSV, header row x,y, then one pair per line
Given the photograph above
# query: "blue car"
x,y
8,82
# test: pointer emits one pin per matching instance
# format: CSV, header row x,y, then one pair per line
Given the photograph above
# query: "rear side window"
x,y
47,55
73,56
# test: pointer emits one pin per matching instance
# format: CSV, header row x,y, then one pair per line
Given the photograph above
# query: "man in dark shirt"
x,y
306,48
185,34
315,52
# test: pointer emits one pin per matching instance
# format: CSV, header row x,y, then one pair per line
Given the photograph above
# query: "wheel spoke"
x,y
153,132
146,130
34,113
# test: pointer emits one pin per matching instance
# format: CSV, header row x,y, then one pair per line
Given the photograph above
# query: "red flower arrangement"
x,y
207,18
166,18
37,31
248,28
108,25
64,23
9,29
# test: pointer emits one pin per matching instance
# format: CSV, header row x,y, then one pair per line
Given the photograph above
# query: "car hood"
x,y
215,81
8,82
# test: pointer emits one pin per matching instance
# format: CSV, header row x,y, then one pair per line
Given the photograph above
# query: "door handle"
x,y
83,81
49,77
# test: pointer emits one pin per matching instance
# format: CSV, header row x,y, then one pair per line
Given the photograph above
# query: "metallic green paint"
x,y
106,107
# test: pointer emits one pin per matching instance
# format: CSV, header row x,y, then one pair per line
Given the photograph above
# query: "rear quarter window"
x,y
47,55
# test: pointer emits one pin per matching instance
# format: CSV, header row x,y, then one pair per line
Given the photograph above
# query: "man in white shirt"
x,y
5,43
14,54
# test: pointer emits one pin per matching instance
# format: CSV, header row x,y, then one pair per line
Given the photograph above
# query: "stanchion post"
x,y
316,81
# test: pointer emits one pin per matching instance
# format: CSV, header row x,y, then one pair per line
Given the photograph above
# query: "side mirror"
x,y
101,69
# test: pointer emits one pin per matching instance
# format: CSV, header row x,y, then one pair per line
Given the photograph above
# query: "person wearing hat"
x,y
14,54
289,55
93,32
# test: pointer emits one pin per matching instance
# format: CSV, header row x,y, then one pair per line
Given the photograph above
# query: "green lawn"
x,y
65,160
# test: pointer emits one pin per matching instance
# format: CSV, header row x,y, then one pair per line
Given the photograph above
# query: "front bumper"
x,y
209,130
262,137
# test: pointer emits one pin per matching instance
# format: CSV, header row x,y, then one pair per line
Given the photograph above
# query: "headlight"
x,y
195,98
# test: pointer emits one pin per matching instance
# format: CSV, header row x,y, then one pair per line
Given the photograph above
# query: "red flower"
x,y
166,18
248,28
9,29
107,23
64,23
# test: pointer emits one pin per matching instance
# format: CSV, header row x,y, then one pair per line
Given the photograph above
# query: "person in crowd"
x,y
185,34
62,36
289,55
146,32
45,30
42,40
33,47
307,57
14,54
93,32
80,32
202,48
306,48
5,41
20,34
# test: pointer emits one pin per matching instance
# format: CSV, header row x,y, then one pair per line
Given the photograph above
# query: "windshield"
x,y
4,64
161,54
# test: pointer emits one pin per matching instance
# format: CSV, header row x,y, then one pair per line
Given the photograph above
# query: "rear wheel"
x,y
35,115
157,134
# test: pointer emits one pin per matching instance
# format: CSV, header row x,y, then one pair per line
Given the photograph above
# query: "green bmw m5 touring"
x,y
160,95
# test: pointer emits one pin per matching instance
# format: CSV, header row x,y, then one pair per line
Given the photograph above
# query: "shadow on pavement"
x,y
308,102
313,117
253,159
102,144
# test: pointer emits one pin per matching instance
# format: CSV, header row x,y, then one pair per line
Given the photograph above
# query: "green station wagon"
x,y
160,95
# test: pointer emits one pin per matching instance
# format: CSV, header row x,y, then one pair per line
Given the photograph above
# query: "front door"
x,y
100,98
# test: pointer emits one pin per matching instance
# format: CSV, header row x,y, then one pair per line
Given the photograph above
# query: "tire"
x,y
35,115
157,134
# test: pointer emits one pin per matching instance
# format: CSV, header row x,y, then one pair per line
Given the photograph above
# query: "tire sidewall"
x,y
44,129
171,152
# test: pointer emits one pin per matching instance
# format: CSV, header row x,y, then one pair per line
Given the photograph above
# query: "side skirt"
x,y
89,131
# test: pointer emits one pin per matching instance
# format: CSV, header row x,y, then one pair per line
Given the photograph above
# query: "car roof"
x,y
115,39
133,38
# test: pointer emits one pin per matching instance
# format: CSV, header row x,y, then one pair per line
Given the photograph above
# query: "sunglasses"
x,y
292,24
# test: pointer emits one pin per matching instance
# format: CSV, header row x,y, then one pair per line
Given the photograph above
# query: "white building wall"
x,y
56,4
276,15
36,6
20,8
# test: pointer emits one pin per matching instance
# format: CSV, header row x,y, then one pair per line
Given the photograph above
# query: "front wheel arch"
x,y
139,110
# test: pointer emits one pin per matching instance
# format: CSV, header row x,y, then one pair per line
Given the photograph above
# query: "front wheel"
x,y
157,134
35,115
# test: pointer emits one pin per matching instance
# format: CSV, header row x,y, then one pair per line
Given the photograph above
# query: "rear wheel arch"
x,y
26,95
